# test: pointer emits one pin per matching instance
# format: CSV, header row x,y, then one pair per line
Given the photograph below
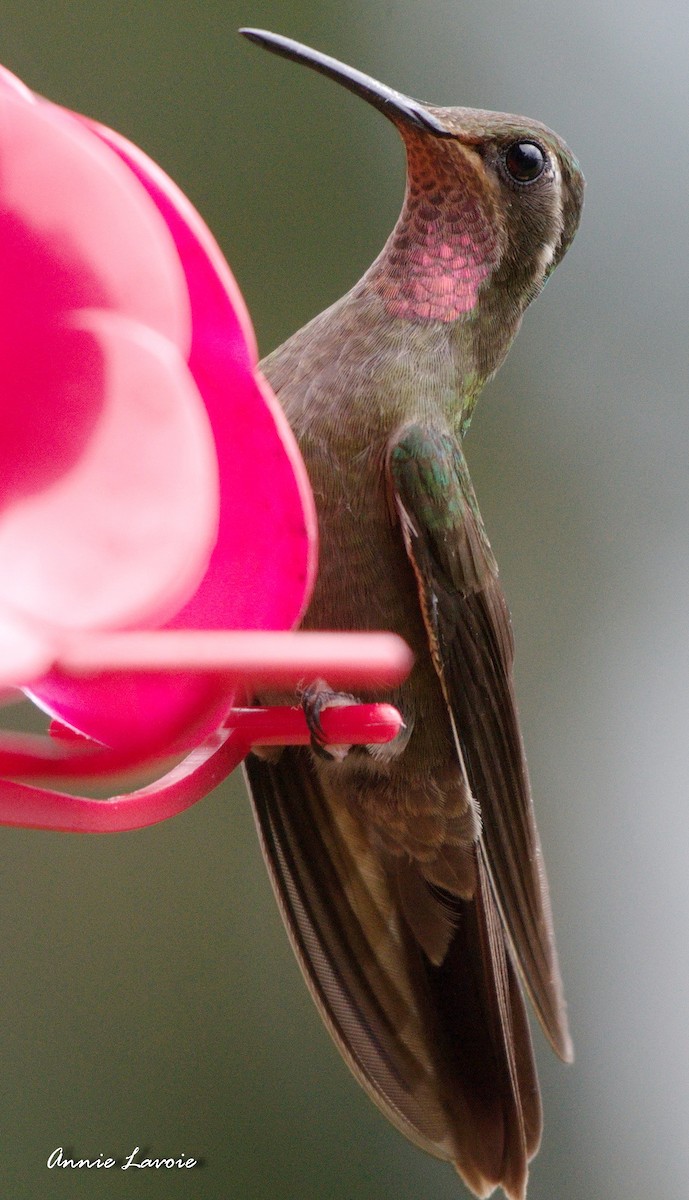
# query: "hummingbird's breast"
x,y
349,382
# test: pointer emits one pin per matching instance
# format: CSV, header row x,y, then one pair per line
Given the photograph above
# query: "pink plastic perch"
x,y
359,660
191,780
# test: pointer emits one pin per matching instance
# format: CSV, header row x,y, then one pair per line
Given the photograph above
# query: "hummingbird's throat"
x,y
445,243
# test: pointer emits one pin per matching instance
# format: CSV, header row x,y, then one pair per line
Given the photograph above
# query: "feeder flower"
x,y
152,497
149,478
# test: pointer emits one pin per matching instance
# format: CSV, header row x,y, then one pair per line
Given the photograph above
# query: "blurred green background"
x,y
148,995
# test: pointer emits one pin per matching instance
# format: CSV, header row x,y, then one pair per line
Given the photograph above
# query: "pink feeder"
x,y
152,498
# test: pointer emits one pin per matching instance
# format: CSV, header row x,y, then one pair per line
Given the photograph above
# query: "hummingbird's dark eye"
x,y
525,162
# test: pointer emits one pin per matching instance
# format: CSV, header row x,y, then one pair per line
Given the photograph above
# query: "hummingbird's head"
x,y
493,202
527,175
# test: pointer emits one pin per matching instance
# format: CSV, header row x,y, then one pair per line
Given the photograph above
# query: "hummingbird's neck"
x,y
444,245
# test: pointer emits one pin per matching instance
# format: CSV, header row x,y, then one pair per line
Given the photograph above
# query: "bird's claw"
x,y
314,699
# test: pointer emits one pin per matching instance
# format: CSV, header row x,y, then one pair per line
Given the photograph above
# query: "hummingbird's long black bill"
x,y
391,103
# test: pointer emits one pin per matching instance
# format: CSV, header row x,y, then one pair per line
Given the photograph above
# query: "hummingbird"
x,y
410,876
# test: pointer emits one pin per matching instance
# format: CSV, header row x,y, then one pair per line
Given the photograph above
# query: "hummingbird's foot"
x,y
314,699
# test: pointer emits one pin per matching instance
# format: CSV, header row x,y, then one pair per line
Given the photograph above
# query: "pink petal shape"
x,y
25,652
122,471
125,337
261,548
10,84
262,568
76,229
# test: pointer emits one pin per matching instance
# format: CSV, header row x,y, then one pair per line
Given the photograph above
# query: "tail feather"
x,y
486,1067
442,1047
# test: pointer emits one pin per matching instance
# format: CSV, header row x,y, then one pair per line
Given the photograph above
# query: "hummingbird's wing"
x,y
413,979
336,906
471,642
443,1049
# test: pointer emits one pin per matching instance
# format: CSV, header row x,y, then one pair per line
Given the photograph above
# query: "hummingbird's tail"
x,y
484,1052
442,1048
